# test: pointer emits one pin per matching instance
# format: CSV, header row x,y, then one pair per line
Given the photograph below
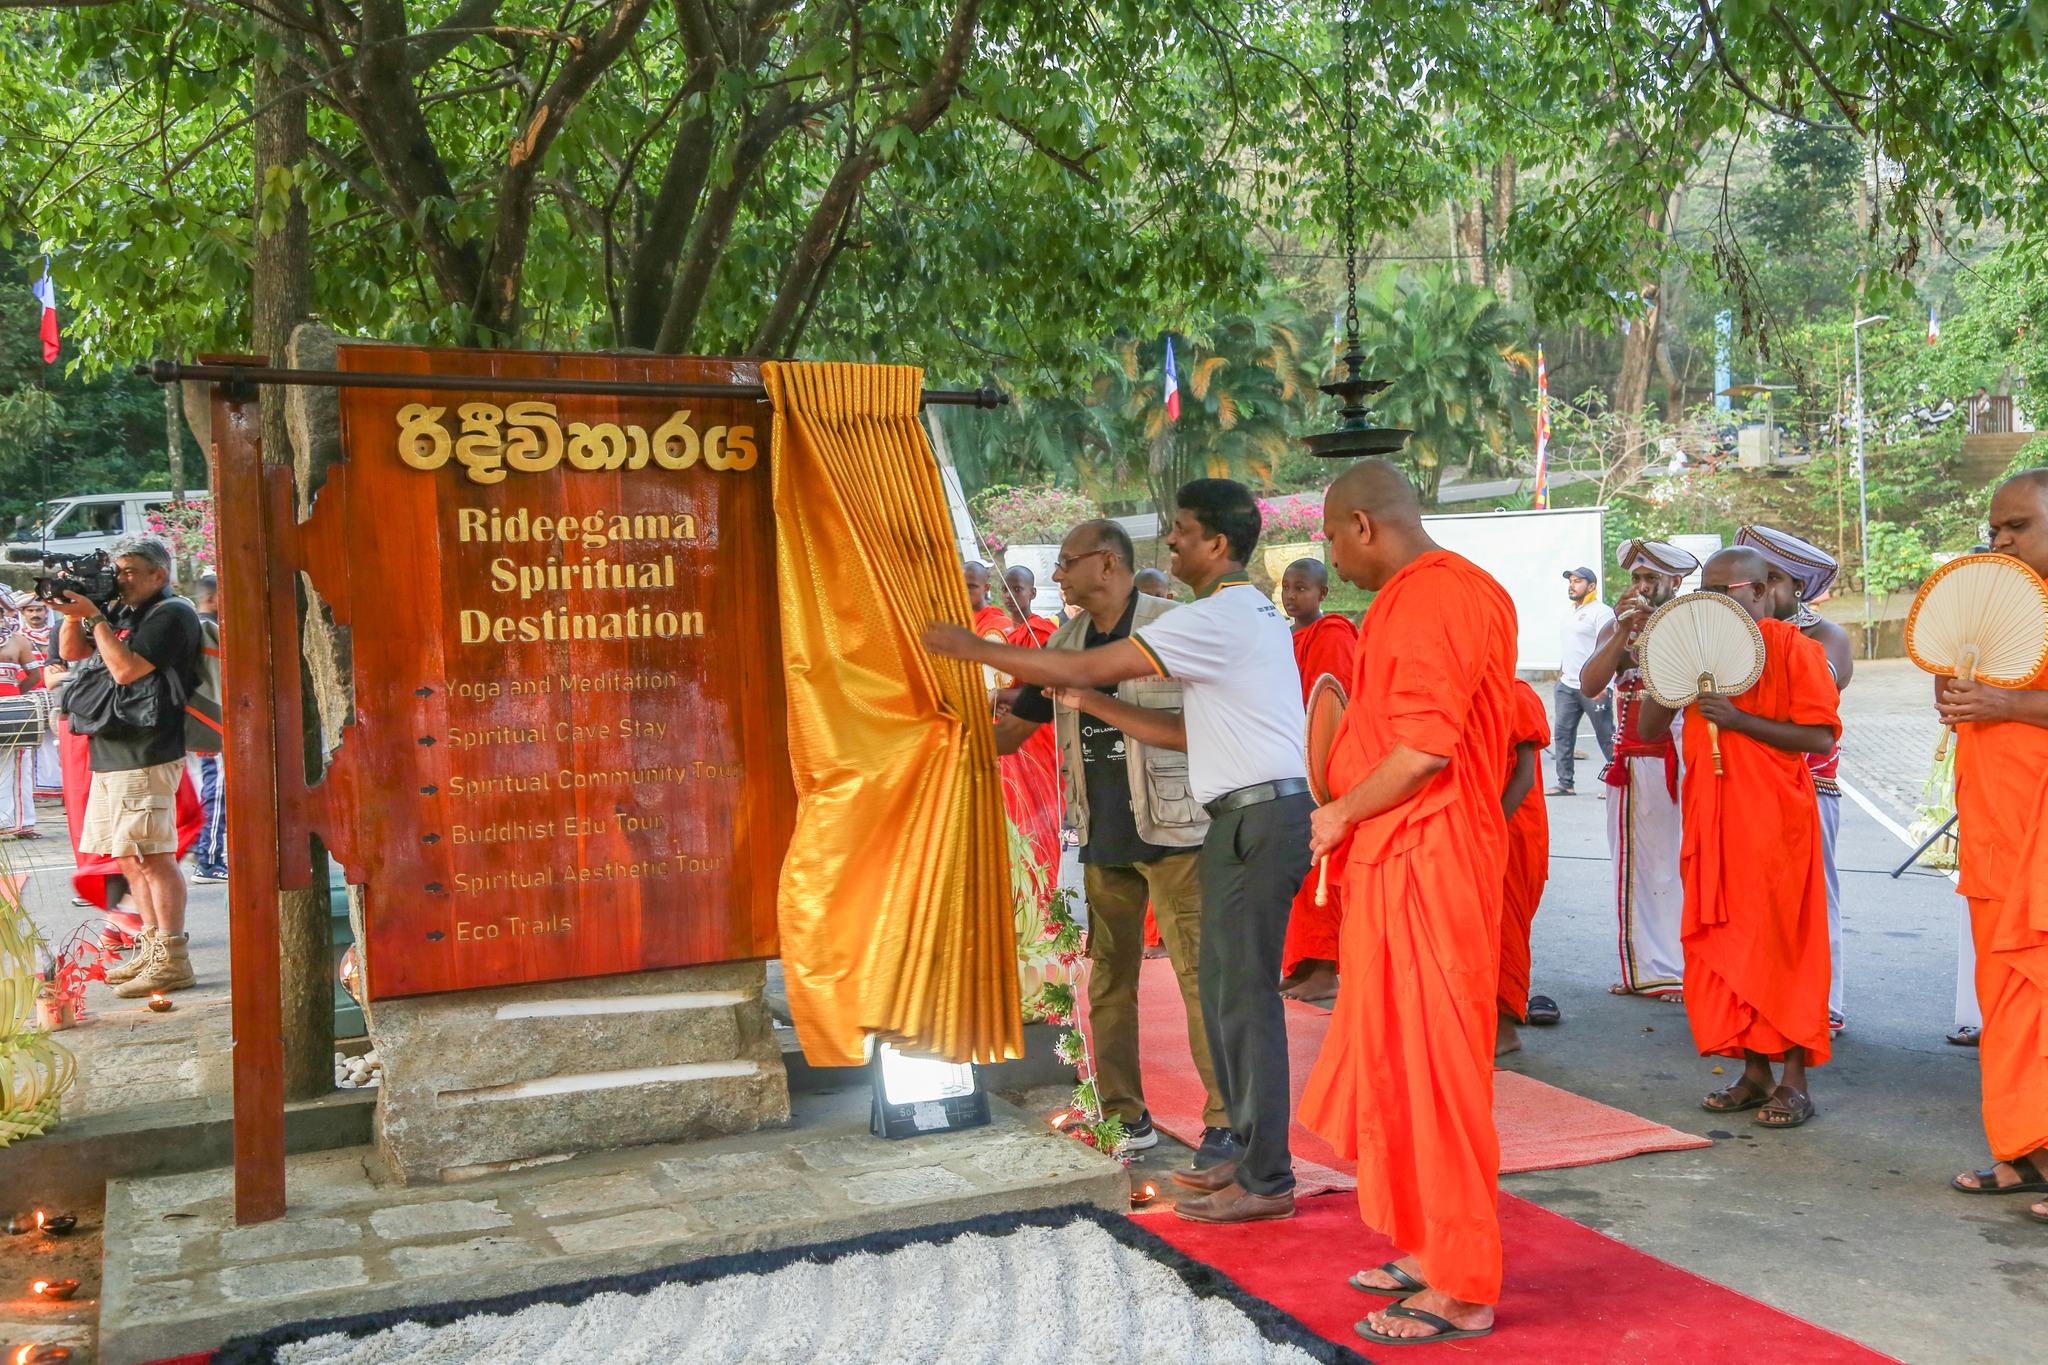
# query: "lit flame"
x,y
40,1286
39,1219
21,1356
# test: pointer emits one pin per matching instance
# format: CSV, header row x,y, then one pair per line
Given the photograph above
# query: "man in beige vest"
x,y
1140,830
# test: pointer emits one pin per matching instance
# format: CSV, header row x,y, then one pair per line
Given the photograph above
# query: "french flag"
x,y
46,294
1172,384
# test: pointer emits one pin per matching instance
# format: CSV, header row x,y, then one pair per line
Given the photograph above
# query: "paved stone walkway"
x,y
1889,733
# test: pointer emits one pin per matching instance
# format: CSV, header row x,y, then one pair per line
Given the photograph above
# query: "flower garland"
x,y
1055,1003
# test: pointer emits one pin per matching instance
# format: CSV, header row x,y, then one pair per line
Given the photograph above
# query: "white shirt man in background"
x,y
1588,617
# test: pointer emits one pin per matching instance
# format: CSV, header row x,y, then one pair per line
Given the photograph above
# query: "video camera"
x,y
91,576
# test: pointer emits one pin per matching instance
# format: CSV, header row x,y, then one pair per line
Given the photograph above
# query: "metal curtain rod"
x,y
172,372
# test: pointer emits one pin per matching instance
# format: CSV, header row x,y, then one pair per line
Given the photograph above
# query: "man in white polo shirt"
x,y
1582,626
1242,728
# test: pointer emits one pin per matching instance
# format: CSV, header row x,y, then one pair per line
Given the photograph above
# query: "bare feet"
x,y
1466,1317
1313,979
1155,950
1507,1038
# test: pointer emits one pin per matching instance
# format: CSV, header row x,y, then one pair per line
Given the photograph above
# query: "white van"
x,y
91,521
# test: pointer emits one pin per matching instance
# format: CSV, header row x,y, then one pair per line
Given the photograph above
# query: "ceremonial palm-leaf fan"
x,y
1326,702
1981,618
1699,644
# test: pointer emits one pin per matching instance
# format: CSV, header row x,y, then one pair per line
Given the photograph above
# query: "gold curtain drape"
x,y
895,901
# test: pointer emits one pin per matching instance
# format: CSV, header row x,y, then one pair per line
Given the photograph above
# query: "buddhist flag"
x,y
46,294
1172,385
1542,490
1933,325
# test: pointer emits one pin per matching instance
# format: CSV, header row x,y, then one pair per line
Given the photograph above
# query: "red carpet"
x,y
1571,1297
1541,1127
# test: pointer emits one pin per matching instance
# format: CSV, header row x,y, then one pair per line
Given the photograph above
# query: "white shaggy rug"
x,y
1034,1295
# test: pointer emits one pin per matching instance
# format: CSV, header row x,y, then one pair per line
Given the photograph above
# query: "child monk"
x,y
1528,870
1756,892
1323,643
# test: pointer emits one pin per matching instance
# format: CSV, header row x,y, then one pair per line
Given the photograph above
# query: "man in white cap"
x,y
1645,833
1800,575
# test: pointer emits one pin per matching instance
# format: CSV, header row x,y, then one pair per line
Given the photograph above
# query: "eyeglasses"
x,y
1731,587
1064,563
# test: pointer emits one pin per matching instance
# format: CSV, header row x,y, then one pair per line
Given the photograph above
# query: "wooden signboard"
x,y
568,756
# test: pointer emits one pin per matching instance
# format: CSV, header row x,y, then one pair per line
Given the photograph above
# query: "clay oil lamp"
x,y
54,1289
1143,1195
55,1224
160,1002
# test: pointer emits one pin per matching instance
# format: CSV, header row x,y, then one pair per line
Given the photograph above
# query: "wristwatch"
x,y
91,623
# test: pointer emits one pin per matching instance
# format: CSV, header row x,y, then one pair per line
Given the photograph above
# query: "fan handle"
x,y
1323,880
1966,671
1707,689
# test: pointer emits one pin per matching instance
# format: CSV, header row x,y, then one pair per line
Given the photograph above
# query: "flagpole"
x,y
1541,499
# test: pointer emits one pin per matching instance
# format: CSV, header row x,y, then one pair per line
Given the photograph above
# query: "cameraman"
x,y
131,814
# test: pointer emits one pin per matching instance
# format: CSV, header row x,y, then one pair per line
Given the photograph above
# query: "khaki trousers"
x,y
1117,894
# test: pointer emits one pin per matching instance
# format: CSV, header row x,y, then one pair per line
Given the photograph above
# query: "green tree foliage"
x,y
1450,354
63,433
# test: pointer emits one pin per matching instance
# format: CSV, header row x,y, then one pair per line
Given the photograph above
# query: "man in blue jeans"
x,y
1582,627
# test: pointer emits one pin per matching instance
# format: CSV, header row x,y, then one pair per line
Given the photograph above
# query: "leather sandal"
x,y
1404,1283
1786,1108
2031,1180
1734,1099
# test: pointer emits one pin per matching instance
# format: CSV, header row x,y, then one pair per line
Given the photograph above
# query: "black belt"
x,y
1252,796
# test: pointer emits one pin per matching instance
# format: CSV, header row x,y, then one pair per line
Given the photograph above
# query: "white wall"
x,y
1529,553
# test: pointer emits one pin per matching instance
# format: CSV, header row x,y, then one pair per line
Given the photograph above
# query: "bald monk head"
x,y
1020,586
1743,574
2019,519
1373,517
1153,583
1302,590
976,574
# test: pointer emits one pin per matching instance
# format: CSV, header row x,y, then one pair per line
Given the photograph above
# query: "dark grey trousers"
x,y
1252,863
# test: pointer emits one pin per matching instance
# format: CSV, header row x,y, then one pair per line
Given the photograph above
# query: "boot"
x,y
171,971
144,954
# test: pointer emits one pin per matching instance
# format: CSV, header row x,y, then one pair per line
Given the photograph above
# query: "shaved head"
x,y
976,575
1311,569
1020,586
1372,516
1380,490
1742,574
1153,582
2019,519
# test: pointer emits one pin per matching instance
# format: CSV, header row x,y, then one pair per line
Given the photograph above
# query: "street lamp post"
x,y
1863,485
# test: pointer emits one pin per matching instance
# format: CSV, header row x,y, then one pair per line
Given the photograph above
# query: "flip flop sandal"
x,y
1987,1180
1408,1283
1726,1093
1446,1330
1543,1011
1964,1036
1798,1109
2037,1217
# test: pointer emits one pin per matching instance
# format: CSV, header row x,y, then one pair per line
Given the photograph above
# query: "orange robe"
x,y
1031,776
1327,646
1528,860
1404,1083
1756,893
2002,822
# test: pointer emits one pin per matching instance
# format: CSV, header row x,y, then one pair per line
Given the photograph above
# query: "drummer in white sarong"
x,y
1645,834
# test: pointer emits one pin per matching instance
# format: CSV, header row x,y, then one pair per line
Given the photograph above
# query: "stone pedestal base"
x,y
492,1080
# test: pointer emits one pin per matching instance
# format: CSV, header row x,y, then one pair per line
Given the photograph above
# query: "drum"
x,y
24,720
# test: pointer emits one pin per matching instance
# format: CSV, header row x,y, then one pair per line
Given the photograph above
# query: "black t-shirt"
x,y
1112,829
165,631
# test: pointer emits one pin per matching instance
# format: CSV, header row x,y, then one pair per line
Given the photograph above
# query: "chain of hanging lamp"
x,y
1355,436
1349,124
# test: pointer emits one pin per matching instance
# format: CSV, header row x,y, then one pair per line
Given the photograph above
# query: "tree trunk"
x,y
1469,220
1639,348
174,443
281,285
1503,209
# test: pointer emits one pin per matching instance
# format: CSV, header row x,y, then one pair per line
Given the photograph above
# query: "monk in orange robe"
x,y
1755,930
1528,869
1420,846
1323,643
2002,826
1031,776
